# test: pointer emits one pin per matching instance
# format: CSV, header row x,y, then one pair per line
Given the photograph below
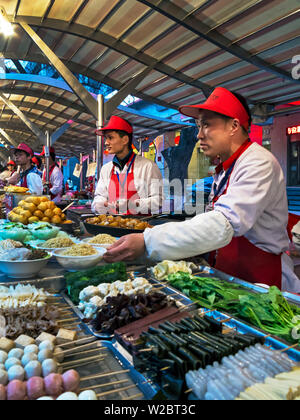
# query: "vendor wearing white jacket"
x,y
55,174
130,184
247,216
28,176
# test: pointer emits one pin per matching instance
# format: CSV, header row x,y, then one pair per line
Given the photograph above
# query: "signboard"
x,y
77,170
293,130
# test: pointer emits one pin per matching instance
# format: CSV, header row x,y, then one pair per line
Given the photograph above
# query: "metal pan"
x,y
118,232
113,231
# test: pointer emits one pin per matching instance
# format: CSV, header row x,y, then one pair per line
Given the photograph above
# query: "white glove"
x,y
173,241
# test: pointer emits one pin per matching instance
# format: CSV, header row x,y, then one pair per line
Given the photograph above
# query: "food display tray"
x,y
229,321
182,300
118,373
291,297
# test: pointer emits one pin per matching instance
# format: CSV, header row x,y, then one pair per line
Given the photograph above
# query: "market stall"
x,y
132,331
74,327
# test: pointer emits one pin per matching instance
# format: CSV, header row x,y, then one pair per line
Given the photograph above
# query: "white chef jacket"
x,y
147,180
57,182
254,206
34,183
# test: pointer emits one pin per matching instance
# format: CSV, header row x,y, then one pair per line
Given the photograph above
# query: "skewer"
x,y
103,375
288,348
79,341
83,364
224,320
73,350
187,306
103,394
165,368
65,364
145,350
104,385
69,319
132,397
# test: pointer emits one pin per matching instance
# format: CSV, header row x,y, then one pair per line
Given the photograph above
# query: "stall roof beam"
x,y
178,15
97,76
33,127
19,66
127,89
60,131
8,138
86,98
116,45
62,85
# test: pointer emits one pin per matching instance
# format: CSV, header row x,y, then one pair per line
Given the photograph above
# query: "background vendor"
x,y
56,177
9,170
130,184
28,176
247,216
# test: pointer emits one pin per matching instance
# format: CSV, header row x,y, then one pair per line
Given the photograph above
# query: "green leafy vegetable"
x,y
269,311
109,273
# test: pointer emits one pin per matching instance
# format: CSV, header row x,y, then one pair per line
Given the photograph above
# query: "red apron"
x,y
122,187
50,185
241,258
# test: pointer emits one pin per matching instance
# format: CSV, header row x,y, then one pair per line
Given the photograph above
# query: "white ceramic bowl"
x,y
98,246
23,269
77,263
53,250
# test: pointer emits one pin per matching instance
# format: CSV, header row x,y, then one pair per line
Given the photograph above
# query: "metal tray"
x,y
120,380
239,325
183,301
291,297
118,232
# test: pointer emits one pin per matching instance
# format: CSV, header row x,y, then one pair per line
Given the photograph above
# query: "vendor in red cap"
x,y
246,219
28,176
129,184
9,171
55,176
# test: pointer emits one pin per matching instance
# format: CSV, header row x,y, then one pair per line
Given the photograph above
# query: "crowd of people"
x,y
29,171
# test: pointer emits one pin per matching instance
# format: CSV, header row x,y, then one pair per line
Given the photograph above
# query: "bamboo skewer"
x,y
114,391
104,385
103,375
83,364
68,319
132,397
77,350
70,363
288,348
92,338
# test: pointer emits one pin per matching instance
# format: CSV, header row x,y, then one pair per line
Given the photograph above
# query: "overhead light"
x,y
6,27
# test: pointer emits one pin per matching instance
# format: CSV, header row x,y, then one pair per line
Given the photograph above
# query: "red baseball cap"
x,y
223,102
116,123
24,148
52,150
35,160
11,162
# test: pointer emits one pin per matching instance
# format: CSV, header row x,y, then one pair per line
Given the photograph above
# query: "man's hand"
x,y
128,248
